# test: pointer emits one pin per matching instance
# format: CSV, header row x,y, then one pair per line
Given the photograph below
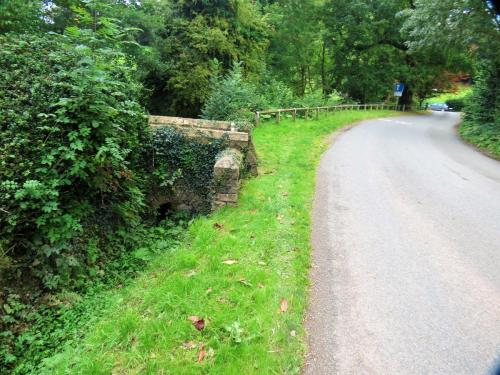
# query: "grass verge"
x,y
243,270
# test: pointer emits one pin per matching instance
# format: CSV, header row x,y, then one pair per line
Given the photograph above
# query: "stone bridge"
x,y
231,162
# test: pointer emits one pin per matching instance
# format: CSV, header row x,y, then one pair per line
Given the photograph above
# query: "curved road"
x,y
406,238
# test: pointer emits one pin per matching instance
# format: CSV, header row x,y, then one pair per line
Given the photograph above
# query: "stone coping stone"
x,y
191,122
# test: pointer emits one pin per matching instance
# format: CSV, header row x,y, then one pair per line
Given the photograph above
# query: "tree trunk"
x,y
323,75
407,97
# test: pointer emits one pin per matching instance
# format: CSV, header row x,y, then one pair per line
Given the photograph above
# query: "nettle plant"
x,y
72,131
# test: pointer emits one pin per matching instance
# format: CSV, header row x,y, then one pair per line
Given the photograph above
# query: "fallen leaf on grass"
x,y
202,354
262,264
283,306
293,333
245,282
218,226
191,273
209,290
260,286
285,194
198,323
280,218
230,262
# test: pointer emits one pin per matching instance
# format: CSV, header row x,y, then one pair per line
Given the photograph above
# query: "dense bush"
x,y
275,94
456,105
481,125
71,128
232,99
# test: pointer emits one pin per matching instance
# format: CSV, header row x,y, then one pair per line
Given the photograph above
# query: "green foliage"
x,y
295,43
232,99
274,93
465,27
183,38
486,136
482,111
70,127
458,26
20,16
317,99
483,105
456,105
59,319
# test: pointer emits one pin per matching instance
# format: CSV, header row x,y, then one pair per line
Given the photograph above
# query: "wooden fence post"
x,y
404,107
306,114
278,115
257,118
294,114
317,113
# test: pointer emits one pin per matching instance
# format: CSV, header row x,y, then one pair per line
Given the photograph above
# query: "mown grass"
x,y
249,329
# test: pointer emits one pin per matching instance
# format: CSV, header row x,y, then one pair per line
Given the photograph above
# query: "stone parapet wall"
x,y
227,174
190,122
231,163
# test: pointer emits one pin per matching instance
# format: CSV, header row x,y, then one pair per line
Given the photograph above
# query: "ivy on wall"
x,y
178,162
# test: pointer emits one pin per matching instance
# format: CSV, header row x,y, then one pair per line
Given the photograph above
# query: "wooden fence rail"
x,y
316,110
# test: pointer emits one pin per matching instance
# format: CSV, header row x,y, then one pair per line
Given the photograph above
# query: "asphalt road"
x,y
406,237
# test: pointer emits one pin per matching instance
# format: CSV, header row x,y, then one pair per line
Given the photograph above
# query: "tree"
x,y
469,27
187,40
21,16
295,43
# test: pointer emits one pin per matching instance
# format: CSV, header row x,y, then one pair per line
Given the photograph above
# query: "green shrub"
x,y
71,130
316,98
232,99
275,94
456,105
481,125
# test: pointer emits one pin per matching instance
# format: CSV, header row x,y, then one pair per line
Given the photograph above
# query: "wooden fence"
x,y
316,110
